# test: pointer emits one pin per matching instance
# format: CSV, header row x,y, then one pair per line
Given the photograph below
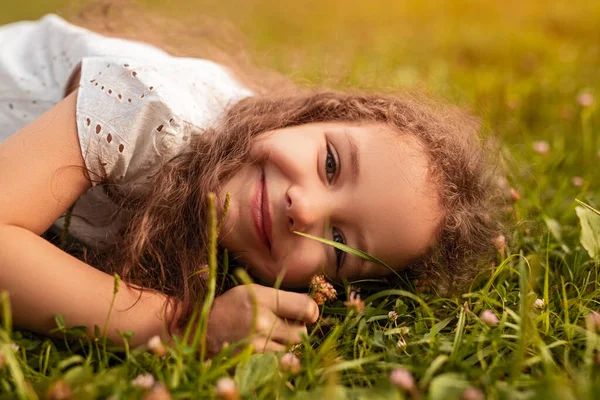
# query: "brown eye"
x,y
331,165
339,254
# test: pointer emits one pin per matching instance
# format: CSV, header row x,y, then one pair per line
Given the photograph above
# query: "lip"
x,y
260,212
267,222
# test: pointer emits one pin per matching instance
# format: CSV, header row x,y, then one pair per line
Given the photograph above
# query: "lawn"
x,y
530,70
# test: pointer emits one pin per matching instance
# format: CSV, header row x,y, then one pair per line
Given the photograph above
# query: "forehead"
x,y
395,201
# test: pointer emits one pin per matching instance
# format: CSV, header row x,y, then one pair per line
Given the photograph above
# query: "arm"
x,y
41,175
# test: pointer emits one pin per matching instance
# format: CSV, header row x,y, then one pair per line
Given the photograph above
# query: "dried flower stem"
x,y
225,208
200,335
64,233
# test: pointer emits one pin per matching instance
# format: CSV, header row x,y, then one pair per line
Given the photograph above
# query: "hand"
x,y
280,317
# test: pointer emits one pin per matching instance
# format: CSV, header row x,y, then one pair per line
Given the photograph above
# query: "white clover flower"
x,y
392,315
538,304
541,146
290,363
155,345
402,378
593,319
489,317
515,195
472,393
585,99
144,381
59,390
500,243
577,181
158,392
226,389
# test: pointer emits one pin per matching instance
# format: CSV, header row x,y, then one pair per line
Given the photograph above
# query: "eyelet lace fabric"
x,y
136,108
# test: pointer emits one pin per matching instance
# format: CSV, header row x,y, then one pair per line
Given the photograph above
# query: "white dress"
x,y
135,107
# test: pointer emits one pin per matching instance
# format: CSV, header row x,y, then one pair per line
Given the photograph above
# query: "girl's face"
x,y
363,185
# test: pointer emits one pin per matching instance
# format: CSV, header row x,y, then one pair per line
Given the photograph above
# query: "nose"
x,y
304,210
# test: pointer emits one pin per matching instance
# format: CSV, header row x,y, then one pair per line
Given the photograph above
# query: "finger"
x,y
262,345
288,333
277,329
289,305
297,306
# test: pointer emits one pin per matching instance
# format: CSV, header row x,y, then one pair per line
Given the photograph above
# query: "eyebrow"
x,y
354,174
354,160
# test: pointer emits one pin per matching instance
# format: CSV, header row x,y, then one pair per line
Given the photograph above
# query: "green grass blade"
x,y
592,209
347,249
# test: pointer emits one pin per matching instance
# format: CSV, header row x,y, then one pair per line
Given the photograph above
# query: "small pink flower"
x,y
226,389
321,290
392,315
577,181
355,303
12,347
290,363
319,298
158,392
593,319
500,243
489,317
155,345
541,146
144,381
538,304
472,393
514,195
585,99
59,390
403,379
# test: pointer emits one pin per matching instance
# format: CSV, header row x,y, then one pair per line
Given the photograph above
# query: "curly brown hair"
x,y
163,244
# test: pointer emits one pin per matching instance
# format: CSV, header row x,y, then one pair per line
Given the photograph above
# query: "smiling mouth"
x,y
266,214
260,212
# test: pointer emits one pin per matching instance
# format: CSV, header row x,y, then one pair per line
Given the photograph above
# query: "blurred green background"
x,y
489,55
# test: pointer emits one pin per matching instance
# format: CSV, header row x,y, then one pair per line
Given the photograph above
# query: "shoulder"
x,y
134,113
189,87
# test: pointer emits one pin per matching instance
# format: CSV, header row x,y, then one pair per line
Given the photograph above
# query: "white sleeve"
x,y
37,59
133,114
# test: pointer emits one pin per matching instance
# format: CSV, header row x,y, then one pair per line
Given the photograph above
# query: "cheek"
x,y
284,146
301,264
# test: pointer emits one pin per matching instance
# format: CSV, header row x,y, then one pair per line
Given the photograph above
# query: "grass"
x,y
522,67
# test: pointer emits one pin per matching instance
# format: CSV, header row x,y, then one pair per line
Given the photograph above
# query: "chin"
x,y
290,282
269,277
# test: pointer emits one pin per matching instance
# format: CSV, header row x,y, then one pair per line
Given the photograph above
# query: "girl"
x,y
136,138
